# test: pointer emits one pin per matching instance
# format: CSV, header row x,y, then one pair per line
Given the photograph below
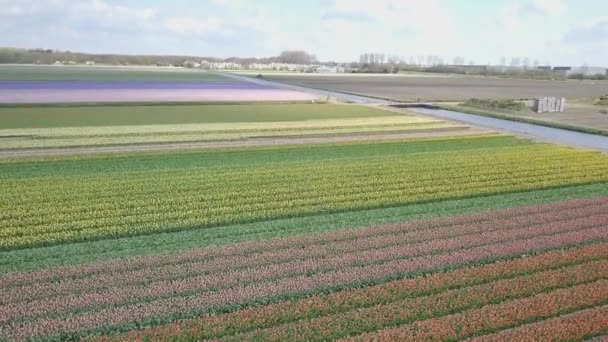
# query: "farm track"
x,y
300,140
269,279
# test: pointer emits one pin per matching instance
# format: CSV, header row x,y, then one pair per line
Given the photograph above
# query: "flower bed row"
x,y
118,289
497,317
165,246
166,309
580,325
88,297
400,312
363,246
312,242
290,311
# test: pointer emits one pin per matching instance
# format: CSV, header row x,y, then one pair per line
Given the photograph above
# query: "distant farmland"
x,y
455,88
58,126
34,84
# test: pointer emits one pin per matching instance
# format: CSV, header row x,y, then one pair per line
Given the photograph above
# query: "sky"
x,y
556,32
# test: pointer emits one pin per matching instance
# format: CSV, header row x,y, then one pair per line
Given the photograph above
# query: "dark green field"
x,y
88,73
52,117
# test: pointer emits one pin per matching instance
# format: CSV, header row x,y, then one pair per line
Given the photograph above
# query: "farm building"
x,y
323,69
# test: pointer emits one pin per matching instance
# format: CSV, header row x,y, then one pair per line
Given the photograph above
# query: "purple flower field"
x,y
141,91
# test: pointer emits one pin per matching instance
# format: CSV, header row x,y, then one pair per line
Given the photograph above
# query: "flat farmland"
x,y
104,73
43,92
288,222
79,84
40,117
368,240
447,88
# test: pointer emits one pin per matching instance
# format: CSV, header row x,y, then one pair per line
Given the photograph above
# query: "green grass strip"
x,y
516,118
106,73
13,168
113,115
79,253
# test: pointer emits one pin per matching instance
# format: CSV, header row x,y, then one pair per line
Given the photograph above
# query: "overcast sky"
x,y
569,32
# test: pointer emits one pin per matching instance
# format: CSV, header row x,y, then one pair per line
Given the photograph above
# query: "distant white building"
x,y
549,104
324,69
219,65
280,66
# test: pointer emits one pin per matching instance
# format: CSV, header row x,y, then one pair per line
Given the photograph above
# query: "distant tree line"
x,y
48,56
518,67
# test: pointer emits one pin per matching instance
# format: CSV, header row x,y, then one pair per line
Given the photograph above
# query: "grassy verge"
x,y
506,116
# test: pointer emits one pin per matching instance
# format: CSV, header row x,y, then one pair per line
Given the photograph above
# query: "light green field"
x,y
54,117
104,73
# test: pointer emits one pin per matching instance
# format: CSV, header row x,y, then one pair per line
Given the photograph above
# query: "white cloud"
x,y
593,32
515,16
189,25
396,27
12,10
544,7
392,13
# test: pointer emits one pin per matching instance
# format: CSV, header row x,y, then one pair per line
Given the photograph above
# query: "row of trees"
x,y
48,56
432,60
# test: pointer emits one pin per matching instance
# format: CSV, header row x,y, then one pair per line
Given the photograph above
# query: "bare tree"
x,y
420,59
526,63
515,61
459,60
503,62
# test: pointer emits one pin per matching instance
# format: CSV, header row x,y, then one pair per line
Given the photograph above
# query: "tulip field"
x,y
486,237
